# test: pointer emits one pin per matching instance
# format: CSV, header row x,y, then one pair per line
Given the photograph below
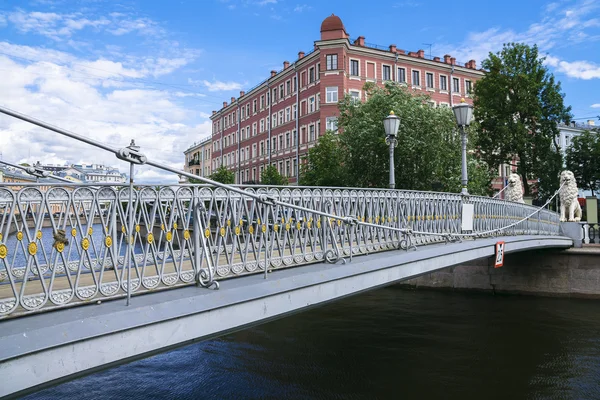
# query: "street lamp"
x,y
463,113
391,123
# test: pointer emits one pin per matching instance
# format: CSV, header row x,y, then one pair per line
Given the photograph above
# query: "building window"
x,y
429,77
355,95
311,104
262,102
288,87
254,106
455,85
281,94
274,144
331,61
294,137
387,73
274,95
253,129
311,133
468,87
416,78
287,114
331,94
354,68
262,125
281,117
443,82
311,74
242,114
295,84
401,75
331,124
294,112
274,120
287,140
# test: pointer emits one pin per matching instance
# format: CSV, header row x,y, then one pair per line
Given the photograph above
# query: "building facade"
x,y
280,119
198,159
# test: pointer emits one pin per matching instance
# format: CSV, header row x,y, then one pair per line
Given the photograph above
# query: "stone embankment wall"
x,y
566,273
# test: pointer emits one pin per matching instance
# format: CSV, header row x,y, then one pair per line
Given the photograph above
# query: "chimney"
x,y
360,41
300,54
273,73
421,53
591,122
242,93
224,104
453,60
468,64
286,64
412,54
393,48
400,51
473,64
232,100
214,112
436,59
446,59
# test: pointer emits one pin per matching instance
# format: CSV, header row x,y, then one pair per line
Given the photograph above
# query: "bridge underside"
x,y
47,348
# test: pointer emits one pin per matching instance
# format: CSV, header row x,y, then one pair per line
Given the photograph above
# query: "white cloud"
x,y
301,8
558,27
576,69
597,105
217,86
265,2
56,91
59,26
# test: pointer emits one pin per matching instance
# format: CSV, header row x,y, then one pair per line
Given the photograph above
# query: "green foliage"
x,y
270,176
194,180
223,175
428,155
583,159
324,163
24,164
519,104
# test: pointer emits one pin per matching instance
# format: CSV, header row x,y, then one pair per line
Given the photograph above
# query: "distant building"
x,y
197,159
85,173
568,132
281,118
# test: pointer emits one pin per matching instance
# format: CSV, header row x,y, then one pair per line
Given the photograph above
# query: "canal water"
x,y
386,344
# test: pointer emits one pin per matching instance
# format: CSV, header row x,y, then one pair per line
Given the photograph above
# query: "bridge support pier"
x,y
574,231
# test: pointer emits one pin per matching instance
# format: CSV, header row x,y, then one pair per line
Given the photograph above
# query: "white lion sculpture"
x,y
568,198
514,190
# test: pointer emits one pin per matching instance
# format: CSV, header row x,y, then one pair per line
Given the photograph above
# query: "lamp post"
x,y
463,113
391,123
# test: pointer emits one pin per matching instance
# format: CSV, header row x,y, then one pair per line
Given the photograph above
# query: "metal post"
x,y
392,142
392,177
464,177
130,231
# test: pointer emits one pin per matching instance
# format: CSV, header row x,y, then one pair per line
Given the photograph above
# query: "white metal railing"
x,y
72,244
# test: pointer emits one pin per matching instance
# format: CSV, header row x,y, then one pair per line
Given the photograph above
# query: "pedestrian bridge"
x,y
195,261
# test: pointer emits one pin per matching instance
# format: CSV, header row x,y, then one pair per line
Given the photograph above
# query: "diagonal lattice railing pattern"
x,y
68,244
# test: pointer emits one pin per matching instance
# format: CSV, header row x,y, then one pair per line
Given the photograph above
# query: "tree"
x,y
324,163
223,175
518,105
428,153
583,159
270,176
24,164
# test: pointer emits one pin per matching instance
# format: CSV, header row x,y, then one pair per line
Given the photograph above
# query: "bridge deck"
x,y
46,348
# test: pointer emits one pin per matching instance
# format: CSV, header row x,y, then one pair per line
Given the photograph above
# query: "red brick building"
x,y
277,121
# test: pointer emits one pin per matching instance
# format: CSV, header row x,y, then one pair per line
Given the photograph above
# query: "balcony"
x,y
193,162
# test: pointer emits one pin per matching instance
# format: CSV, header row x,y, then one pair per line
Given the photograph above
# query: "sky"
x,y
153,70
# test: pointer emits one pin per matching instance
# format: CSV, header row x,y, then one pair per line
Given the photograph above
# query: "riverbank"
x,y
572,273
